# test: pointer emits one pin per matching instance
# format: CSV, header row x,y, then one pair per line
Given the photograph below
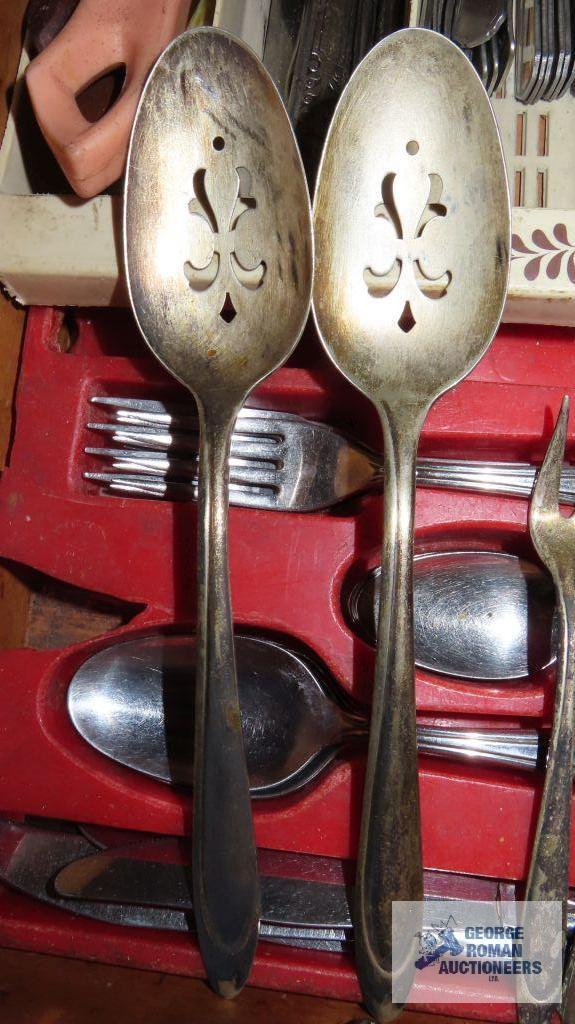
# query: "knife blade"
x,y
158,874
30,858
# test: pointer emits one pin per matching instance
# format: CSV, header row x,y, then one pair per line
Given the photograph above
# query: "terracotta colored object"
x,y
100,37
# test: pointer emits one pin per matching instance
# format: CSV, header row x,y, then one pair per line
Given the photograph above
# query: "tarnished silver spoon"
x,y
412,234
218,251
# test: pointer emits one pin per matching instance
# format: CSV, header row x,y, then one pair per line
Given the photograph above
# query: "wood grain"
x,y
11,22
14,595
11,317
37,989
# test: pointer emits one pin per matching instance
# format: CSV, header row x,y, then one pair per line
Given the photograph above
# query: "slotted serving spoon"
x,y
218,251
412,235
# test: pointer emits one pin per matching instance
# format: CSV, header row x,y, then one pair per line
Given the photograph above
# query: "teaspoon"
x,y
132,702
412,235
481,615
218,252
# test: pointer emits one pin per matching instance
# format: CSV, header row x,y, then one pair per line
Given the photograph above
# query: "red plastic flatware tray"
x,y
289,572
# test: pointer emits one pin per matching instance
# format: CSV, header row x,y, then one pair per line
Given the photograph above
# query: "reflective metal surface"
x,y
31,858
282,33
159,876
322,63
131,702
484,31
218,253
474,24
548,880
545,54
278,460
481,615
155,872
412,231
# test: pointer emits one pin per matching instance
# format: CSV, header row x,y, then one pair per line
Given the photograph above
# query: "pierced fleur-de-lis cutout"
x,y
224,263
405,213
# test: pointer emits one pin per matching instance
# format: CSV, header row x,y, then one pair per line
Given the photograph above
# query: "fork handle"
x,y
389,856
548,877
225,877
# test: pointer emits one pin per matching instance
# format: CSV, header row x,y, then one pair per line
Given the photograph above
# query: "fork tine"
x,y
143,405
545,497
141,486
258,447
243,472
174,413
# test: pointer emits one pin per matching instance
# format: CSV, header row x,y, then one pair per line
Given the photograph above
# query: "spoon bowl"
x,y
481,615
132,701
217,219
475,24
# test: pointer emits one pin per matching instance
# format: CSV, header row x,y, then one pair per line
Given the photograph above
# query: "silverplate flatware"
x,y
278,460
131,702
548,881
156,874
481,615
31,857
489,25
218,252
322,62
475,614
412,232
474,24
282,31
301,891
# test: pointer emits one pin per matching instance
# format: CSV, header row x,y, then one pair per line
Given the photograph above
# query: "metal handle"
x,y
549,868
389,856
568,1000
225,877
506,478
519,749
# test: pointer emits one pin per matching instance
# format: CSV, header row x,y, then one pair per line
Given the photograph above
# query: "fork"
x,y
548,881
278,460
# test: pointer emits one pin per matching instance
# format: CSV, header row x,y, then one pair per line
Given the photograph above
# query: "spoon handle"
x,y
389,856
225,878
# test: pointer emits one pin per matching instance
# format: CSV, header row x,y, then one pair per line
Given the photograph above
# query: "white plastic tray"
x,y
539,147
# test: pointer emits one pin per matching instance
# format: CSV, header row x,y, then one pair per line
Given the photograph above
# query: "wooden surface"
x,y
14,595
51,990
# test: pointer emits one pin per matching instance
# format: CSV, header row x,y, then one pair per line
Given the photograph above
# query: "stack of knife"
x,y
312,48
